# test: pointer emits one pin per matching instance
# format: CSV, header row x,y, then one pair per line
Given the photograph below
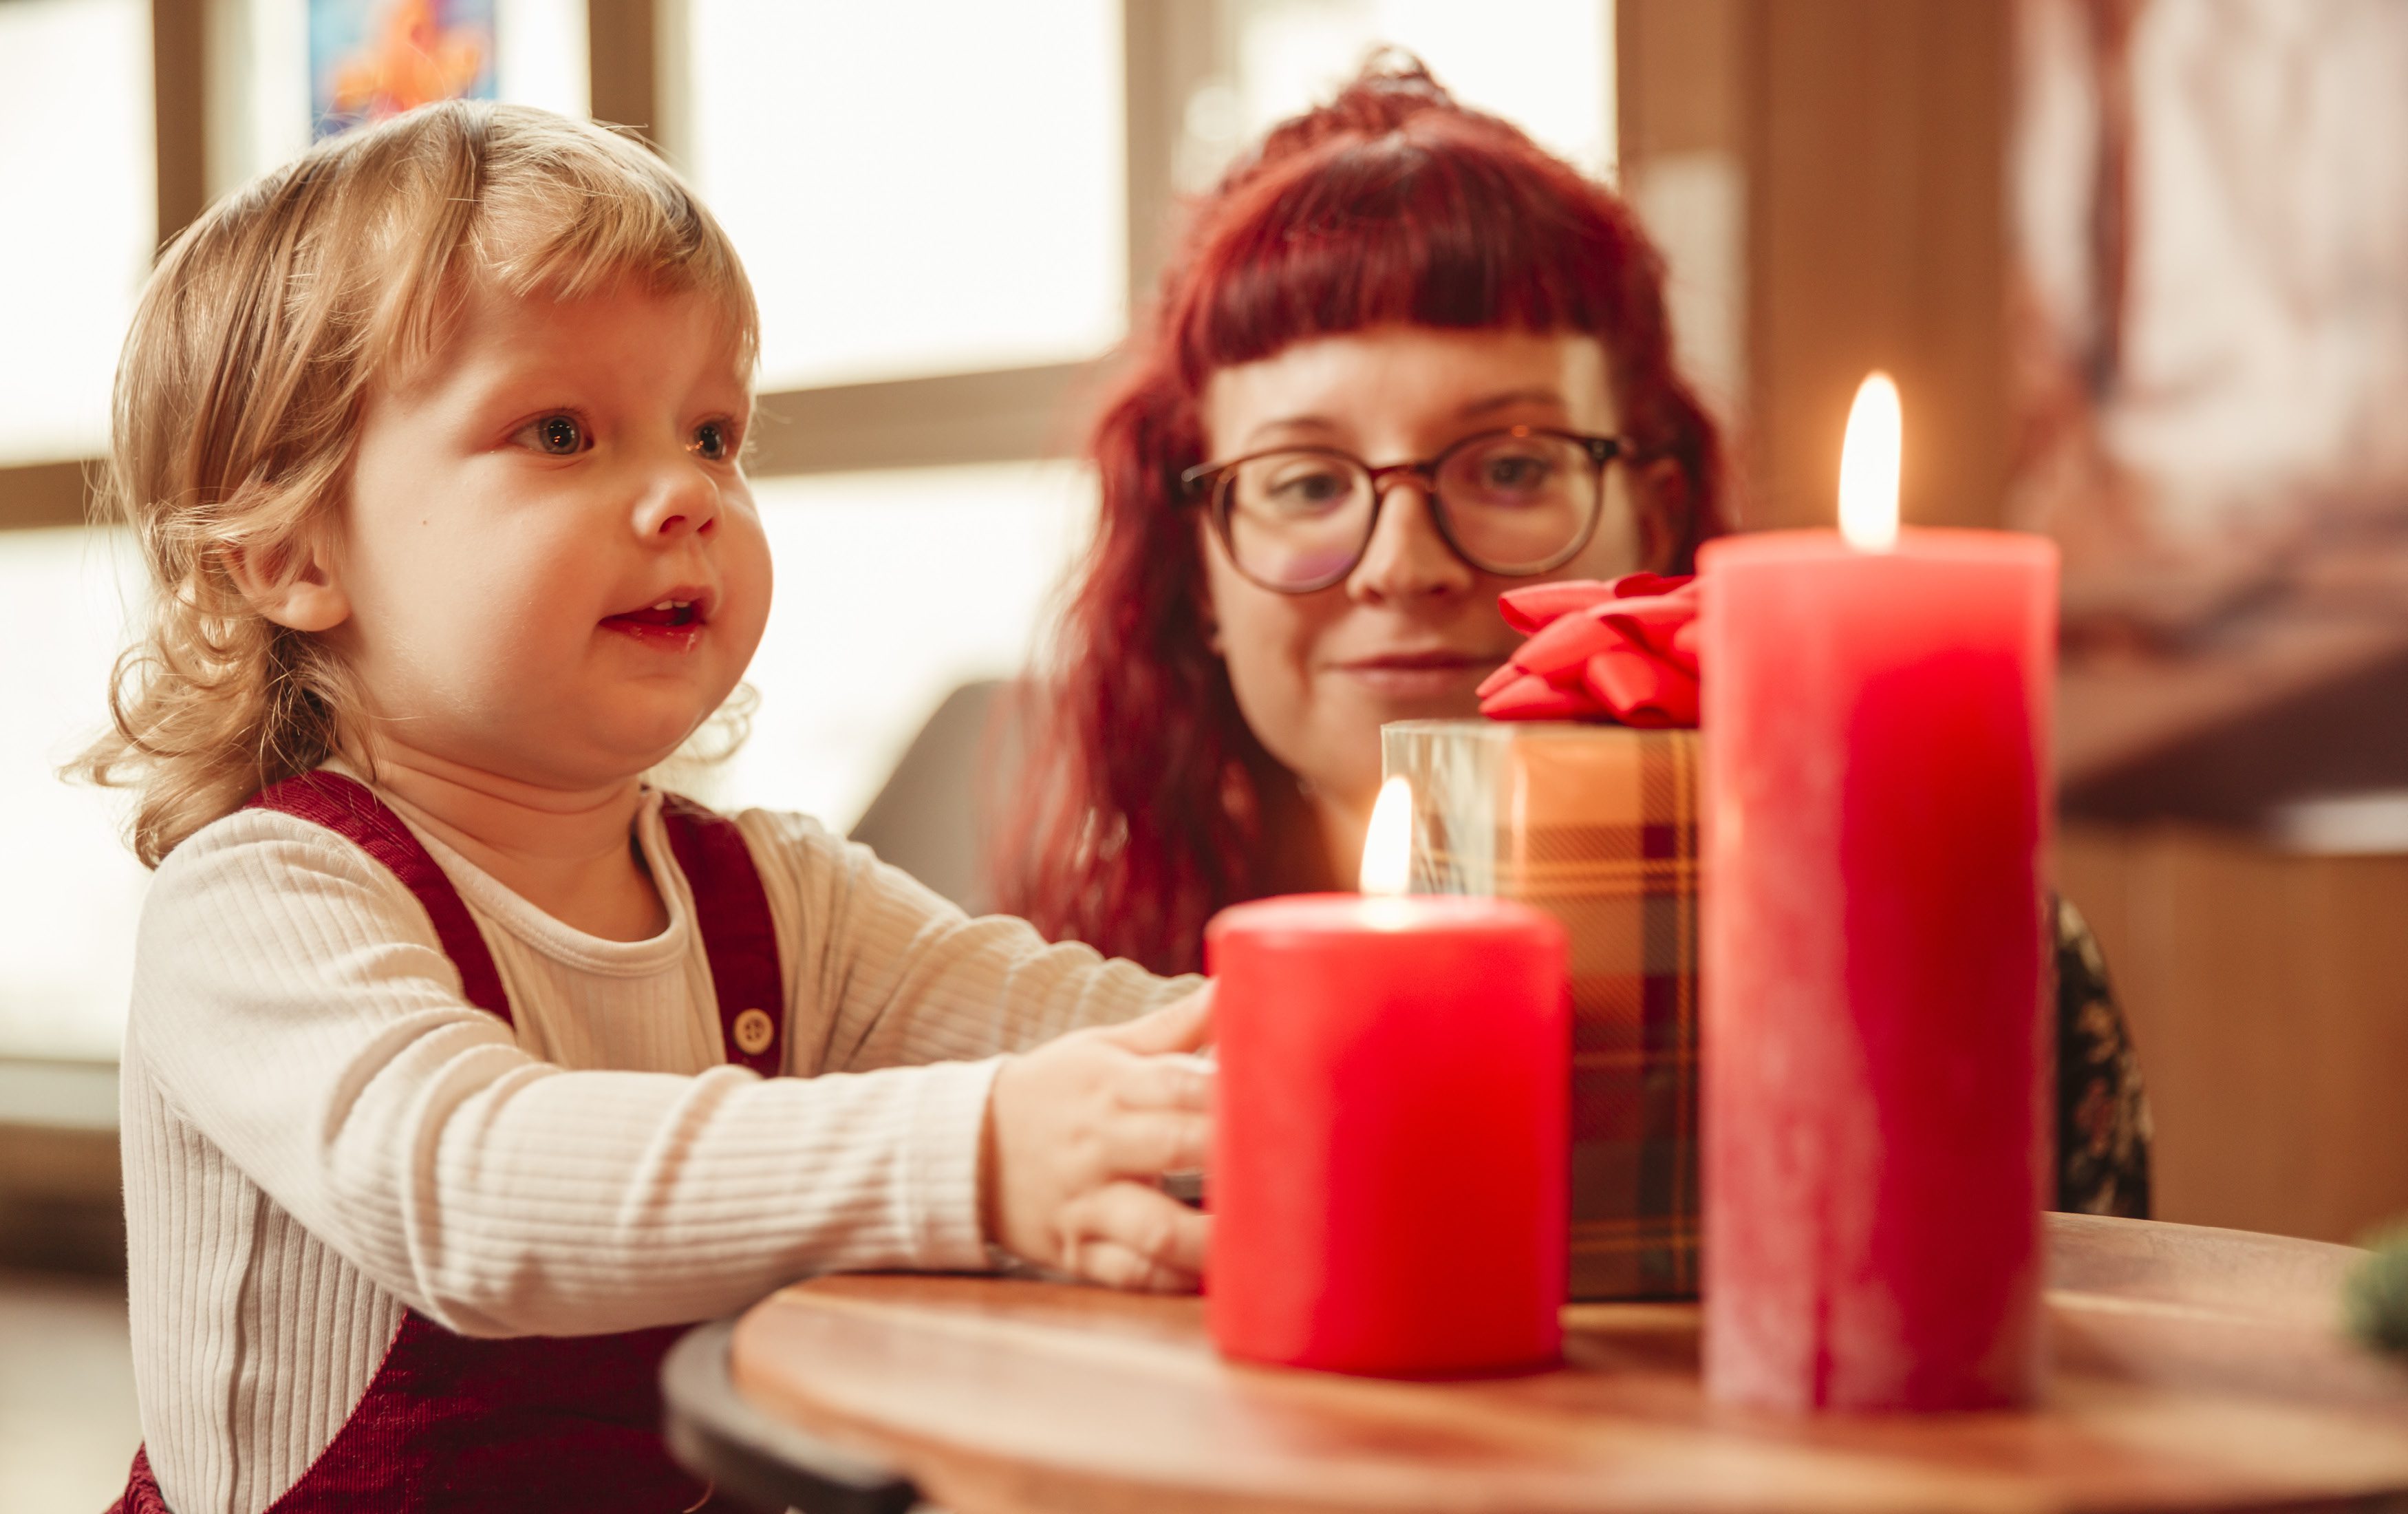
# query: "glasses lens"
x,y
1297,519
1519,504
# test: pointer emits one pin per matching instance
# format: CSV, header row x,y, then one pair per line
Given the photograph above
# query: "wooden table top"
x,y
2193,1368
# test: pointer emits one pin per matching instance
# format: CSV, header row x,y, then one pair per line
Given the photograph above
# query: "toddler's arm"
x,y
886,973
1076,1132
293,1010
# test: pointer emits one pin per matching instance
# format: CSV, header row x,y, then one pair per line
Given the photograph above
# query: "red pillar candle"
x,y
1388,1185
1876,730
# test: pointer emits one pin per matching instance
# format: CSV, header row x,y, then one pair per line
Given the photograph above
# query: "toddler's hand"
x,y
1076,1132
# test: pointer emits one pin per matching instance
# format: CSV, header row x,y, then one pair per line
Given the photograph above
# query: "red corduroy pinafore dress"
x,y
537,1423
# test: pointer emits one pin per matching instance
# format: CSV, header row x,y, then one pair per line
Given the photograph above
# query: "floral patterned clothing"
x,y
2102,1112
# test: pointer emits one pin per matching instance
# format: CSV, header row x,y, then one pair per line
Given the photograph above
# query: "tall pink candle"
x,y
1875,1150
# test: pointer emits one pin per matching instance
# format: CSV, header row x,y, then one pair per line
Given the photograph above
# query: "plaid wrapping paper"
x,y
1597,825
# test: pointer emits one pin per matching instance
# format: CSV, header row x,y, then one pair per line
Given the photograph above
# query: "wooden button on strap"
x,y
738,935
754,1030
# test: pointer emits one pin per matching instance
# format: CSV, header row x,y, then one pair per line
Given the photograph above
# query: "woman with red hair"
x,y
1389,275
1404,360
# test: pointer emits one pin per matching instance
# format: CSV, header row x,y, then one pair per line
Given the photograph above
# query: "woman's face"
x,y
1412,631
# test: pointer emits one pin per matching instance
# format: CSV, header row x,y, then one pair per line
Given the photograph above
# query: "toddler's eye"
x,y
714,441
555,436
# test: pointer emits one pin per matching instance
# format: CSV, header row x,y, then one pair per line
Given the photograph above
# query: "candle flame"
x,y
1388,844
1868,466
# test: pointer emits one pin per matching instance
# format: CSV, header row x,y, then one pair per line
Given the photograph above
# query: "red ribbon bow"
x,y
1625,651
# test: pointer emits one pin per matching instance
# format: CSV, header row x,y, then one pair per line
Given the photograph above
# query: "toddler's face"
x,y
553,567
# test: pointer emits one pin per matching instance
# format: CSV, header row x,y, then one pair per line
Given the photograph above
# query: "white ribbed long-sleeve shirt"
x,y
319,1130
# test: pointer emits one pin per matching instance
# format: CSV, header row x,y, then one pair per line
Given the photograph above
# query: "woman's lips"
x,y
1407,675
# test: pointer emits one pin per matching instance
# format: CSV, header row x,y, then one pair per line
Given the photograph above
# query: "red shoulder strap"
x,y
733,912
345,807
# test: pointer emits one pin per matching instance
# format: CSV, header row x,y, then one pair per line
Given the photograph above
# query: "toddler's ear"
x,y
296,587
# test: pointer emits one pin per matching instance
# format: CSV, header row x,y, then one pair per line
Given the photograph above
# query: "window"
x,y
80,223
72,888
915,189
894,588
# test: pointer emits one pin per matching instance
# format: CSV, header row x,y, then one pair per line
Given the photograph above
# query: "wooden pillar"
x,y
1869,139
623,53
1679,85
1168,48
178,70
1682,133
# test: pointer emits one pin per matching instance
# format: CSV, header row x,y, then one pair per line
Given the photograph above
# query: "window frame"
x,y
637,69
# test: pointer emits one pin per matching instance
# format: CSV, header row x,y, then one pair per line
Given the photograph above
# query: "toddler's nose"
x,y
678,500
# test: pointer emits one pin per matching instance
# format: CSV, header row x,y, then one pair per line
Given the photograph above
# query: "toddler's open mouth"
x,y
672,624
667,613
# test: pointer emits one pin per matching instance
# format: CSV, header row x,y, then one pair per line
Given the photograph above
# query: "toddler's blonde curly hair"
x,y
256,346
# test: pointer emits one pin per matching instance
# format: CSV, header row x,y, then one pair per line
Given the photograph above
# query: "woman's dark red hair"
x,y
1148,805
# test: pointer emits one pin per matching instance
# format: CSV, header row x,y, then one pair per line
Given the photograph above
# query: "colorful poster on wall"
x,y
370,59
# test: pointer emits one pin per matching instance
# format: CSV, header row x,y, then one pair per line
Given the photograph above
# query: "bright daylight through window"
x,y
79,71
968,212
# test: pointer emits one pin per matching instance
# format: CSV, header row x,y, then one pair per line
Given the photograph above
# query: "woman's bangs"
x,y
1392,234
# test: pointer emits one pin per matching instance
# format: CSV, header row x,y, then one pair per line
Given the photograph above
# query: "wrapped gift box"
x,y
1597,825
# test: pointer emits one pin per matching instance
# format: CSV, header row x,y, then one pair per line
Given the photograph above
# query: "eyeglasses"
x,y
1512,502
